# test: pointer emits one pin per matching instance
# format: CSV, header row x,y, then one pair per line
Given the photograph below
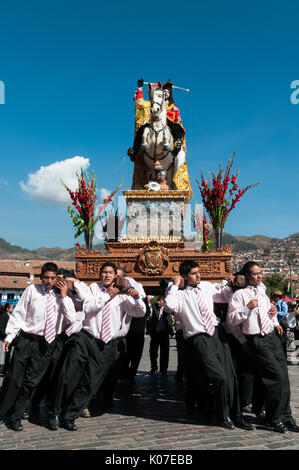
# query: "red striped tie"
x,y
266,324
50,326
210,328
105,334
74,328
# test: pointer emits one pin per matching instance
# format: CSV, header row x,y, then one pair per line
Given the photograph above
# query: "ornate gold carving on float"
x,y
153,259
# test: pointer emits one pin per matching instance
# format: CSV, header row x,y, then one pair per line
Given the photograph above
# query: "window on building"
x,y
10,296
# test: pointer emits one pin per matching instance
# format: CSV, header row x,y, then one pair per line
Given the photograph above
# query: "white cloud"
x,y
104,193
45,186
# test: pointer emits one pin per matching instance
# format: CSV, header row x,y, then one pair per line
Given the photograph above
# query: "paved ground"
x,y
150,415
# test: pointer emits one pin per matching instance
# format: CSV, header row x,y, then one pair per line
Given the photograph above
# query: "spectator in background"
x,y
282,314
160,329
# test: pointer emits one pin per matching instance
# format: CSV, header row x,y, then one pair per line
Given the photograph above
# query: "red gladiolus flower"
x,y
214,197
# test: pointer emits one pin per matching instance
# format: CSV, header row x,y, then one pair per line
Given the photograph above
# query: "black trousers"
x,y
29,363
159,340
251,389
195,385
132,357
214,357
68,373
96,358
7,358
272,367
105,395
180,354
47,386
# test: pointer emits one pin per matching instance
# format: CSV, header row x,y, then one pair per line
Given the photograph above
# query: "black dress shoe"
x,y
152,371
16,426
25,415
291,426
227,423
261,414
246,409
69,425
53,422
277,427
242,424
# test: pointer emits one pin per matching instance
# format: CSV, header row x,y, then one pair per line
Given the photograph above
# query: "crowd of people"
x,y
72,343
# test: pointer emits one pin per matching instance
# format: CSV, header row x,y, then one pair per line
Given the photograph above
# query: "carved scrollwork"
x,y
228,266
128,267
226,248
153,259
176,267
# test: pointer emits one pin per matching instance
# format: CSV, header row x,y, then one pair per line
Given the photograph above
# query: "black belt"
x,y
200,334
93,338
90,336
259,335
32,336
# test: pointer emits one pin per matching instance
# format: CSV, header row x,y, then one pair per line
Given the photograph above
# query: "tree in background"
x,y
275,282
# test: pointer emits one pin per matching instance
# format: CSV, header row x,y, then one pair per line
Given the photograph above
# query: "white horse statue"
x,y
157,142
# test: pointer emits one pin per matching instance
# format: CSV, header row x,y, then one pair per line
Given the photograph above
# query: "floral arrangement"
x,y
84,200
217,198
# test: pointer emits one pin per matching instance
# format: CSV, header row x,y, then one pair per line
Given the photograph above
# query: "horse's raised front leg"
x,y
144,140
166,140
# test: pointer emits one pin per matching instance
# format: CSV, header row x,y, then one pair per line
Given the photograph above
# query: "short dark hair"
x,y
112,265
49,267
186,266
247,266
120,268
66,272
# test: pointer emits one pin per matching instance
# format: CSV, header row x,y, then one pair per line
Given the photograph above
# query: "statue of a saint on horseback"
x,y
159,150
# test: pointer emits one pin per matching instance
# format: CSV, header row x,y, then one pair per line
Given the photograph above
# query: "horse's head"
x,y
157,100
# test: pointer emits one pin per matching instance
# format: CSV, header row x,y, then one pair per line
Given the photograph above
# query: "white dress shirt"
x,y
136,285
239,314
122,308
184,304
29,314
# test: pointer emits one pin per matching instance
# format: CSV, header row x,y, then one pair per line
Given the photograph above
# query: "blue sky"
x,y
70,70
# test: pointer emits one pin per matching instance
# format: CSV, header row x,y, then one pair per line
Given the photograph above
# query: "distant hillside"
x,y
240,244
245,243
8,251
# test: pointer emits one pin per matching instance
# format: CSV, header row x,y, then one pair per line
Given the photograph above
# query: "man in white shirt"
x,y
251,308
63,384
193,306
105,397
107,313
37,318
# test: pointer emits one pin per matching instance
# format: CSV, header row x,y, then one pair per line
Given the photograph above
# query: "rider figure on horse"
x,y
174,123
142,117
